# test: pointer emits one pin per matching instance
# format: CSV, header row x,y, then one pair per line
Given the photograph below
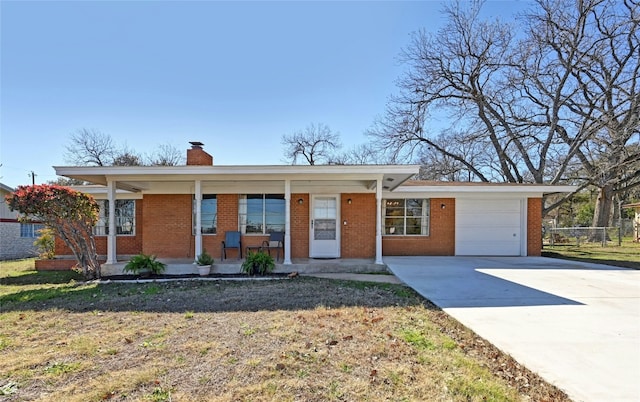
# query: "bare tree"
x,y
317,144
166,155
440,166
94,148
565,95
66,182
362,154
127,157
596,57
90,148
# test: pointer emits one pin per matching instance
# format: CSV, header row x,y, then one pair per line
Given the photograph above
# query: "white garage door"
x,y
488,227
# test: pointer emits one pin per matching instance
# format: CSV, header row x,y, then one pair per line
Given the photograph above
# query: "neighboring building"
x,y
16,239
636,220
328,211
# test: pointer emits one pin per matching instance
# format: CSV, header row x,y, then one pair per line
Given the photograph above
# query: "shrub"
x,y
259,263
143,263
204,259
46,244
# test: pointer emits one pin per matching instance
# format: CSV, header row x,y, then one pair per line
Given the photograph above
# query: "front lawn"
x,y
302,339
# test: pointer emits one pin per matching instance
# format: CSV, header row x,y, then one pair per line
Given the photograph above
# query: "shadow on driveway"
x,y
454,282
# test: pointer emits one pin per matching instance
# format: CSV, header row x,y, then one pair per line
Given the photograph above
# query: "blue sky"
x,y
233,75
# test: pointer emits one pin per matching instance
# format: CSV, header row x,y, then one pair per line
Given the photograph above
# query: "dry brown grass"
x,y
288,340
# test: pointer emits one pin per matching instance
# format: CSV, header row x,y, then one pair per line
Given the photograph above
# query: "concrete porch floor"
x,y
232,266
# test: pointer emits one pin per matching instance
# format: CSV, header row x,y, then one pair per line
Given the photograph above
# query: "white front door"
x,y
325,227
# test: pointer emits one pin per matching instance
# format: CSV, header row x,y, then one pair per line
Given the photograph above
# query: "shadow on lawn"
x,y
213,296
614,263
40,278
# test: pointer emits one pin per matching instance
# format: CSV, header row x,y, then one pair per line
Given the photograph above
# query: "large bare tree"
x,y
95,148
594,51
166,155
316,144
557,103
90,148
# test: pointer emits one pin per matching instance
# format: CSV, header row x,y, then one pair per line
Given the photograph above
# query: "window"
x,y
125,218
406,217
208,214
30,229
261,213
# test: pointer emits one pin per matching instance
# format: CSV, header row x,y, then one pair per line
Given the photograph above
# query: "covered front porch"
x,y
168,228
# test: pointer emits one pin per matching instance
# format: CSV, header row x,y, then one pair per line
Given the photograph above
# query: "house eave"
x,y
492,188
141,178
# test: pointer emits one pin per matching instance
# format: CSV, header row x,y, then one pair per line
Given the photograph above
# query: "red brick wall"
x,y
441,239
197,156
59,264
534,226
358,236
167,223
300,226
227,221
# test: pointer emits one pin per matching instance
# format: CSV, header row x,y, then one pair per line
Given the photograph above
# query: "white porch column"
x,y
111,237
379,221
287,222
198,197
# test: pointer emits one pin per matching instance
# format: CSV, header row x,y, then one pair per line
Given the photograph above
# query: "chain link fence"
x,y
582,235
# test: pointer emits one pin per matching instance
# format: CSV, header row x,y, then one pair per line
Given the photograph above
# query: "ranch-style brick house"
x,y
326,212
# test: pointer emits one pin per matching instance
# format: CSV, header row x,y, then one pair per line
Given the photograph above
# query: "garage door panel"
x,y
488,227
488,248
502,233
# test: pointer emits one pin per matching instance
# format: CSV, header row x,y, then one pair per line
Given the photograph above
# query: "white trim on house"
x,y
500,189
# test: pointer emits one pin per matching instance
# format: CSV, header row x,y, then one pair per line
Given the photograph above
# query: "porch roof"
x,y
156,178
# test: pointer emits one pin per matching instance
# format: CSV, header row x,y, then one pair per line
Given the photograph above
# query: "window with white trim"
x,y
208,214
30,229
406,217
261,213
125,218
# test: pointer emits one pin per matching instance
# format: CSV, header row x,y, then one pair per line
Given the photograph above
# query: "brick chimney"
x,y
197,156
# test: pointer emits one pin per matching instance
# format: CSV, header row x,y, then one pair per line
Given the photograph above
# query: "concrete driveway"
x,y
575,324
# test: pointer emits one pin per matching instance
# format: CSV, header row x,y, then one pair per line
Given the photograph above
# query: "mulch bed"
x,y
279,275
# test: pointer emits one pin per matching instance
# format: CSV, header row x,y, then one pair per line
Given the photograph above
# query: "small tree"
x,y
46,244
69,213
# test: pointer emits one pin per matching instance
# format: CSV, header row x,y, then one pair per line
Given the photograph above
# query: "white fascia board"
x,y
280,170
529,190
100,192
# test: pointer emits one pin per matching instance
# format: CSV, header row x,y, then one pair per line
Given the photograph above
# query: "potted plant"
x,y
259,263
204,262
144,265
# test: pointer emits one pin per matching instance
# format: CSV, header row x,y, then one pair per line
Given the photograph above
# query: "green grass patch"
x,y
152,290
626,255
398,290
23,272
416,338
60,368
159,394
